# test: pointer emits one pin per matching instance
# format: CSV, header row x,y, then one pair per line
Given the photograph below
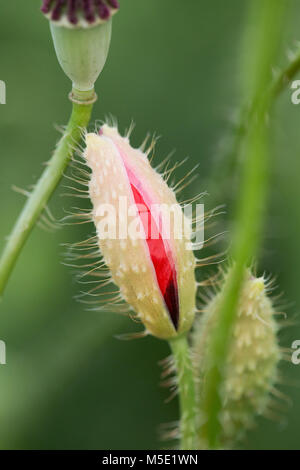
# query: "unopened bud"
x,y
153,269
251,363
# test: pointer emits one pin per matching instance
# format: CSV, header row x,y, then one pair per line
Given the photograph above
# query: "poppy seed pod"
x,y
145,248
81,32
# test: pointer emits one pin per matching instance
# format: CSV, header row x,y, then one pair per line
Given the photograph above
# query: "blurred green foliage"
x,y
68,383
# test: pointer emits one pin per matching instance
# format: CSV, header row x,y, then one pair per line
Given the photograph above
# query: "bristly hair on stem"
x,y
252,197
46,185
186,392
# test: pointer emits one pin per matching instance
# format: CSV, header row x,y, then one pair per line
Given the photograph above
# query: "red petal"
x,y
162,261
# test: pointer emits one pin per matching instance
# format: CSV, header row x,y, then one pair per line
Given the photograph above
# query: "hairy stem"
x,y
262,44
221,184
186,390
38,199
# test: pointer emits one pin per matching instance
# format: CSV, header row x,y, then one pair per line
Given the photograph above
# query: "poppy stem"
x,y
186,390
38,199
265,21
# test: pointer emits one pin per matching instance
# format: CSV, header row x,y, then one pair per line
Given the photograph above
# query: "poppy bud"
x,y
146,247
251,363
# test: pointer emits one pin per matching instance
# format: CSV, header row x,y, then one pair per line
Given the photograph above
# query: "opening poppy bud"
x,y
251,365
142,234
81,32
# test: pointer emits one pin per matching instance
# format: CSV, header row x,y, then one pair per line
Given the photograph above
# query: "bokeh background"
x,y
174,69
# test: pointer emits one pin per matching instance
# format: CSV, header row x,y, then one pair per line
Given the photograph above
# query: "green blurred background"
x,y
173,68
